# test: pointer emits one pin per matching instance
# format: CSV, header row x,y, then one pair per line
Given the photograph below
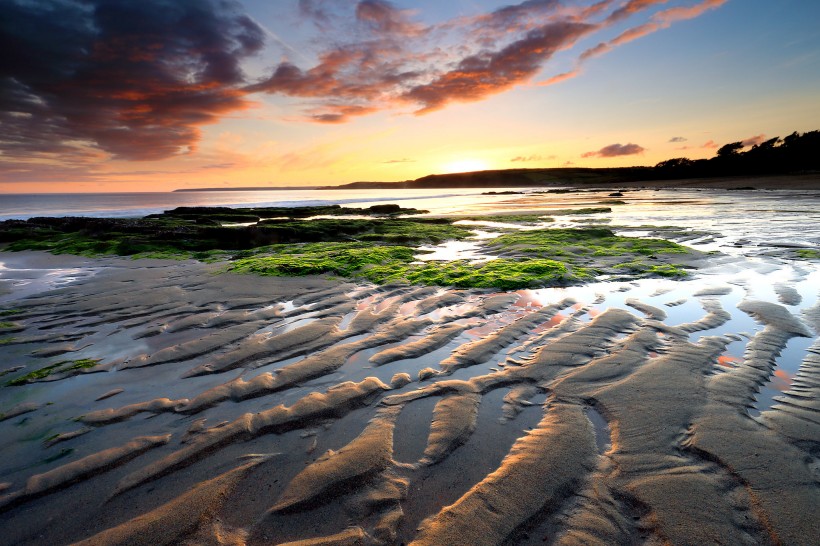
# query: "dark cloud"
x,y
615,150
678,139
631,7
316,10
383,17
514,17
134,79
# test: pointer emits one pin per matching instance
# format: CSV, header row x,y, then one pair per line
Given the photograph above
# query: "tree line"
x,y
795,153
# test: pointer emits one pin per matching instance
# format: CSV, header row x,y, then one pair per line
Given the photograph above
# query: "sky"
x,y
157,95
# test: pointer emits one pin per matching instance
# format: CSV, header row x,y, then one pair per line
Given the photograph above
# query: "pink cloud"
x,y
528,158
660,20
136,81
632,7
396,62
616,150
754,140
484,74
558,78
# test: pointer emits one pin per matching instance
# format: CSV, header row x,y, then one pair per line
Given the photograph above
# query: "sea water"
x,y
717,219
123,205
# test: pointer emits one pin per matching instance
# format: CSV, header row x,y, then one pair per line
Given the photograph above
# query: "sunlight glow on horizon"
x,y
328,98
464,166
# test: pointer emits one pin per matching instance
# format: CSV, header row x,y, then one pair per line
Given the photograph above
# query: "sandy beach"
x,y
220,408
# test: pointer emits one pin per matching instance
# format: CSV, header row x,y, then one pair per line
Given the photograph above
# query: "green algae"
x,y
340,259
808,253
393,231
546,216
7,340
384,263
175,239
65,366
548,243
6,325
506,218
503,274
659,270
10,312
570,212
380,248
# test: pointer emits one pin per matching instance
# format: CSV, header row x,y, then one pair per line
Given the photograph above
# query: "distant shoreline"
x,y
250,188
566,178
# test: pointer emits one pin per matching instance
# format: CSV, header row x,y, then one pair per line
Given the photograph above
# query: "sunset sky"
x,y
155,95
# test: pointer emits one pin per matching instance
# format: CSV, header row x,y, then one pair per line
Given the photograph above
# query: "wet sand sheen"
x,y
259,411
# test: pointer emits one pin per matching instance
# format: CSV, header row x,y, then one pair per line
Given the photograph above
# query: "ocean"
x,y
124,205
748,218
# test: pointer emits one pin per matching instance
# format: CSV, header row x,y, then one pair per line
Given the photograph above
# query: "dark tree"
x,y
729,150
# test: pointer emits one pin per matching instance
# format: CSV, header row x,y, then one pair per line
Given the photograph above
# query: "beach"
x,y
182,403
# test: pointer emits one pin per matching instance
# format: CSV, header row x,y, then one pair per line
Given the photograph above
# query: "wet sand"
x,y
233,409
809,181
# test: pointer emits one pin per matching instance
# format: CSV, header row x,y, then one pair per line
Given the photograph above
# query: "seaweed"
x,y
389,263
808,253
380,248
595,241
65,366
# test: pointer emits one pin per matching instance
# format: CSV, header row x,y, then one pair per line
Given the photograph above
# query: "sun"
x,y
464,166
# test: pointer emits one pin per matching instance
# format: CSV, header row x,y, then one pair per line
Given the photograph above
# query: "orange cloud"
x,y
137,81
560,77
484,74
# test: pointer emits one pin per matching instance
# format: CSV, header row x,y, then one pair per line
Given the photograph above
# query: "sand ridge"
x,y
617,418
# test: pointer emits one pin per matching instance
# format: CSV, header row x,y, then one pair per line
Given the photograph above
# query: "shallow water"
x,y
106,315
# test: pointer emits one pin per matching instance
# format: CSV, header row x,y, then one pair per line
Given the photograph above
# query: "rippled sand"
x,y
233,409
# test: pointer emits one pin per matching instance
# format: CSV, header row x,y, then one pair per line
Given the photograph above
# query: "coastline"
x,y
175,401
582,180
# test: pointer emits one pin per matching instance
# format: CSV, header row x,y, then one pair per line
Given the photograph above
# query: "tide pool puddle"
x,y
780,381
603,434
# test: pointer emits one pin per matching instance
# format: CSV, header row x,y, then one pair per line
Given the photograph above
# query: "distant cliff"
x,y
796,154
512,178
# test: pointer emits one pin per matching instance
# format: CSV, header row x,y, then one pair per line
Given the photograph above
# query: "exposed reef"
x,y
381,244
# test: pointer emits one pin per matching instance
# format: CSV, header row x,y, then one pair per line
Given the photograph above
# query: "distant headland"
x,y
792,162
251,188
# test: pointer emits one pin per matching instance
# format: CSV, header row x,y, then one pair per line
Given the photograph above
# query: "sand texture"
x,y
229,409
